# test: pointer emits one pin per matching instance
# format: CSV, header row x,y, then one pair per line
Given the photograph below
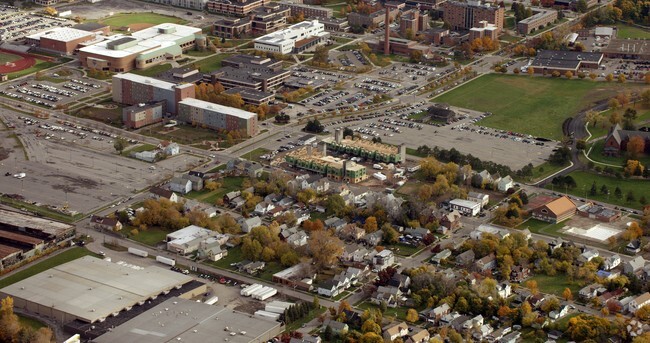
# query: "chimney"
x,y
323,147
338,136
387,29
402,152
309,152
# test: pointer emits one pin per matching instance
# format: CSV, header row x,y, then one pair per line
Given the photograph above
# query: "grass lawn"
x,y
584,181
139,148
627,31
270,269
555,284
228,184
403,249
51,262
414,152
317,215
545,169
30,322
234,256
125,19
184,134
398,312
44,211
211,63
538,226
40,65
596,154
153,71
643,116
306,319
5,57
151,236
199,53
530,105
254,155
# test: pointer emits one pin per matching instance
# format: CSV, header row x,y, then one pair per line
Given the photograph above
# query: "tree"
x,y
629,197
532,285
370,225
120,144
635,146
567,295
609,78
390,236
415,56
325,248
369,325
618,193
371,337
621,78
594,189
412,315
569,74
581,6
50,11
321,55
314,126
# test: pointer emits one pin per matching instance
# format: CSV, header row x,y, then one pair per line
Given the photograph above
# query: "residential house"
x,y
158,193
335,223
383,259
505,183
252,268
555,211
607,275
247,224
417,233
243,167
237,202
634,247
437,313
638,302
496,335
263,207
329,288
634,265
504,290
559,313
418,336
471,323
373,239
169,148
400,281
230,196
480,198
286,201
519,273
298,239
451,220
512,337
591,291
105,223
354,253
466,258
443,255
611,262
484,177
211,252
449,318
306,339
482,332
338,328
536,300
554,334
351,232
587,256
395,330
645,274
389,202
276,212
197,173
197,182
195,205
316,182
180,185
389,295
555,243
486,263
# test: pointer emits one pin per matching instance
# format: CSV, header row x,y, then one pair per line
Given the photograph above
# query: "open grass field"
x,y
41,210
211,63
254,155
151,236
153,71
584,180
596,154
40,65
628,31
28,322
555,284
49,262
126,19
538,226
530,105
5,57
139,148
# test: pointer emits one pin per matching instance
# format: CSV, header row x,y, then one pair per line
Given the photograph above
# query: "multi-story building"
x,y
142,49
364,148
132,89
62,40
251,96
269,19
541,18
191,4
484,29
334,24
233,27
374,19
296,38
253,72
237,7
307,10
46,2
413,20
216,116
334,168
143,114
465,15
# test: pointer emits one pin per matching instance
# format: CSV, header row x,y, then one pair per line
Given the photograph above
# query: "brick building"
x,y
236,8
307,10
465,15
541,18
143,114
62,40
132,89
413,20
216,116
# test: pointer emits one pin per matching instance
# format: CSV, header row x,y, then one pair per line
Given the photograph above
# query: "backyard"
x,y
555,284
228,184
531,105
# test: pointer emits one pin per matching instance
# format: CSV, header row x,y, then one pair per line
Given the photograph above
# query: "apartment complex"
x,y
296,38
252,72
216,116
413,20
465,15
374,19
62,40
484,29
142,49
191,4
317,161
366,149
143,114
307,11
233,27
132,89
541,18
235,7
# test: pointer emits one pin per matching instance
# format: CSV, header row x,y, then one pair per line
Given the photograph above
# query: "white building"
x,y
505,183
295,38
465,207
638,302
188,239
480,198
180,185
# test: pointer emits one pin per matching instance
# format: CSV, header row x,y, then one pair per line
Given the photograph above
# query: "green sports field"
x,y
126,19
4,58
530,105
628,31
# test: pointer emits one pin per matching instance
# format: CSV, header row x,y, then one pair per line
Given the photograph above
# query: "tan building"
x,y
233,27
484,30
465,15
63,40
413,20
236,7
269,19
555,211
307,10
541,18
374,19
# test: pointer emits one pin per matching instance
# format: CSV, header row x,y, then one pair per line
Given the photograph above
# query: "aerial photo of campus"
x,y
324,171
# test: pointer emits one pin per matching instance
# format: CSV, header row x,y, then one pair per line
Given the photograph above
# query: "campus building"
x,y
191,4
143,114
216,116
465,15
252,72
375,19
541,18
132,89
269,18
484,29
62,40
142,49
296,38
334,24
307,10
238,8
251,96
548,61
317,161
378,152
233,27
413,20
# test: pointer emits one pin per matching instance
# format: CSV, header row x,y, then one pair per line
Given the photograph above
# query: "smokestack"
x,y
387,31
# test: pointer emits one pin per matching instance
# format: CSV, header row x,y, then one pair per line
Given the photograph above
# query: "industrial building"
x,y
296,38
181,320
90,289
142,49
61,40
23,236
636,49
465,15
216,116
143,114
378,152
252,72
316,160
548,61
540,19
133,89
465,207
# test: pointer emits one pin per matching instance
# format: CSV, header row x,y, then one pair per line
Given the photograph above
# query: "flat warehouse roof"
x,y
218,108
47,226
170,322
91,289
63,34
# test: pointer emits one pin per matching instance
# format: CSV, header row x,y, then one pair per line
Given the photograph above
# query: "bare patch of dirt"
x,y
72,182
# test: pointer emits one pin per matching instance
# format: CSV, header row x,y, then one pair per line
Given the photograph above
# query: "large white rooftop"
x,y
63,34
145,80
166,32
218,108
92,289
188,234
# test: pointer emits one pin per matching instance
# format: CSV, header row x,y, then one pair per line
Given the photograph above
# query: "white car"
x,y
20,175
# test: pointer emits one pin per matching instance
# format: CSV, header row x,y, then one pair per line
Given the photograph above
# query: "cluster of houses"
x,y
192,181
164,148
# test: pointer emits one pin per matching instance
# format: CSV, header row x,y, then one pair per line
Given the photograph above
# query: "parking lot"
x,y
15,25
